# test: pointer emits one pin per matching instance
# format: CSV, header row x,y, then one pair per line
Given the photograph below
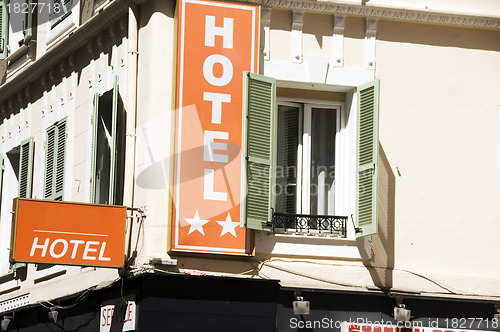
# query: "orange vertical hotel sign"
x,y
218,41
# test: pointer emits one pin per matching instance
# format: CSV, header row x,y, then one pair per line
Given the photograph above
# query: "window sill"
x,y
8,283
18,60
299,245
17,54
46,272
61,31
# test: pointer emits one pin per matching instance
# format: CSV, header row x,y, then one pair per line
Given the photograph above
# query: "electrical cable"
x,y
449,289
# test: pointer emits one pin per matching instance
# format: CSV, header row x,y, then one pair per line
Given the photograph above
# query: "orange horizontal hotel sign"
x,y
218,41
68,233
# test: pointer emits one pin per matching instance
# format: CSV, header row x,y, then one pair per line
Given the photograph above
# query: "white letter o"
x,y
227,70
63,252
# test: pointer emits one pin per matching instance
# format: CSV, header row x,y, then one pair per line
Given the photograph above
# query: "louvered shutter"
x,y
259,102
55,161
367,159
25,168
4,29
28,23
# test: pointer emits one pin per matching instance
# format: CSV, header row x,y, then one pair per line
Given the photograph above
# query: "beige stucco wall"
x,y
438,125
438,132
155,123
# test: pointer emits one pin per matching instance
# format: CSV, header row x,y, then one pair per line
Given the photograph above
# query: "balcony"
x,y
307,224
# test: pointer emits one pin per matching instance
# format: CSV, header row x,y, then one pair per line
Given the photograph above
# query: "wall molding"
x,y
400,14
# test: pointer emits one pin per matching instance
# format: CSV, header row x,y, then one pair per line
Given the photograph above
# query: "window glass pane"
x,y
286,165
104,143
323,130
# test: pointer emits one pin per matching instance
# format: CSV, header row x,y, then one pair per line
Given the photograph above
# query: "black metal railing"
x,y
312,224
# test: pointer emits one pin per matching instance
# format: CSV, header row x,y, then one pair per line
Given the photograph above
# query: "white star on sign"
x,y
228,226
196,223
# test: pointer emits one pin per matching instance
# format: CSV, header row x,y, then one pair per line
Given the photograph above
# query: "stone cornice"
x,y
412,15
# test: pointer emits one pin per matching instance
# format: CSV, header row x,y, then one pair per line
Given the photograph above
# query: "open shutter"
x,y
28,23
55,161
259,102
4,29
367,159
25,168
60,160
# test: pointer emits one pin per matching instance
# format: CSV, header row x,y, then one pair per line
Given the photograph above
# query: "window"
x,y
306,158
302,179
55,155
16,174
108,152
21,162
59,11
16,25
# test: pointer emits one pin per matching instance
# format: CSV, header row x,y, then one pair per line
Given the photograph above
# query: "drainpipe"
x,y
130,137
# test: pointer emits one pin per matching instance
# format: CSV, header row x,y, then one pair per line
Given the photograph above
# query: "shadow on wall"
x,y
381,264
434,35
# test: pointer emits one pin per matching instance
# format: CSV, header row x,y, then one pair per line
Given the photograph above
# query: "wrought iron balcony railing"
x,y
310,224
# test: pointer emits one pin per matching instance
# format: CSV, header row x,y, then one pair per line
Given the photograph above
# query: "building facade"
x,y
353,171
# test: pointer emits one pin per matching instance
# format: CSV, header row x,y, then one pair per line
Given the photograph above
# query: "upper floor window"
x,y
304,178
62,19
55,155
16,25
20,167
306,158
108,157
60,10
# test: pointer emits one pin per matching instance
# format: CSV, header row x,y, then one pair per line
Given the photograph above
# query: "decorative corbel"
x,y
370,39
265,21
297,24
338,41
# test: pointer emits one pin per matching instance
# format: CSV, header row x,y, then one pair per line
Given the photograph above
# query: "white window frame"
x,y
304,150
63,28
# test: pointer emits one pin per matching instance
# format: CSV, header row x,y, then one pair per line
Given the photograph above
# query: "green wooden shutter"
x,y
55,161
259,103
25,168
367,159
4,29
28,23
